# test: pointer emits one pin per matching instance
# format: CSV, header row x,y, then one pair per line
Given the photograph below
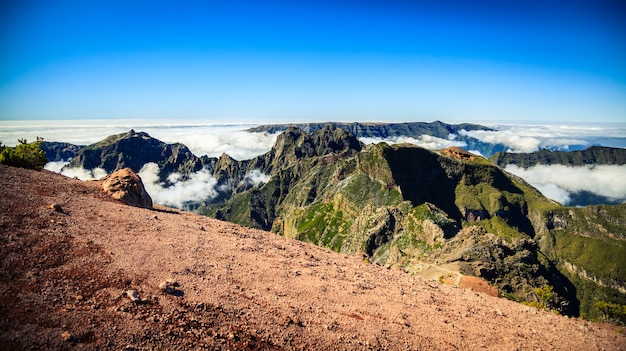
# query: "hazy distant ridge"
x,y
595,155
379,130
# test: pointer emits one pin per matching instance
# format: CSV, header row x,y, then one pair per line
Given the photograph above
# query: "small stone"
x,y
132,294
67,336
169,286
56,207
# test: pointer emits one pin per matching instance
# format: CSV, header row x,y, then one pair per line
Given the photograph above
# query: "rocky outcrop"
x,y
56,151
126,185
458,153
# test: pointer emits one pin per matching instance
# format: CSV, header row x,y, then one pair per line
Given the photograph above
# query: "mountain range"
x,y
391,130
439,214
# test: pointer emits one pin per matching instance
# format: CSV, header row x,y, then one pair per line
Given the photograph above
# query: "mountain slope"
x,y
67,271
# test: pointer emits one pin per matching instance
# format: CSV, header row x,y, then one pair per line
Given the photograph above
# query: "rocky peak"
x,y
294,143
458,153
126,185
135,149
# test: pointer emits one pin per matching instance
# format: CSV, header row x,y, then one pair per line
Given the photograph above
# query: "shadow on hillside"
x,y
422,178
564,287
162,210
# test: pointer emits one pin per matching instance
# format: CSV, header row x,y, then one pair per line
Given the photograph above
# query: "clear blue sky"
x,y
278,61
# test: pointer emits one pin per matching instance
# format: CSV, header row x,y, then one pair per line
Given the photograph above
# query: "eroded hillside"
x,y
82,271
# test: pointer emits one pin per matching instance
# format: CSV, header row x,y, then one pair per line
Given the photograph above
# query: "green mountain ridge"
x,y
594,155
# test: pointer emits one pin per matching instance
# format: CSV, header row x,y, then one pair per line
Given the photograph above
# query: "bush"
x,y
612,312
24,155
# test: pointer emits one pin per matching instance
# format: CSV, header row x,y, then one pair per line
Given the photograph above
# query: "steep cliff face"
x,y
57,151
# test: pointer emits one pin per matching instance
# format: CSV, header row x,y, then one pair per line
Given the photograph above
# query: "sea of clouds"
x,y
529,137
555,181
558,182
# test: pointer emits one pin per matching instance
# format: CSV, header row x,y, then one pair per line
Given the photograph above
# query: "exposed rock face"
x,y
56,151
458,153
125,185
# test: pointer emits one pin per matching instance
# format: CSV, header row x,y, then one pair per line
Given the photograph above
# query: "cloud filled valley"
x,y
559,182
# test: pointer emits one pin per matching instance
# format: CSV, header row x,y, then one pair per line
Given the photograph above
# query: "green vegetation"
x,y
612,312
499,226
545,295
24,155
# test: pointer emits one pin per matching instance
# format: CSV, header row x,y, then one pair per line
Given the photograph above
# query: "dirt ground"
x,y
70,274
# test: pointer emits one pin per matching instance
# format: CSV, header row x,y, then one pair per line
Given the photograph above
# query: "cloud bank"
x,y
558,182
200,138
256,177
425,141
532,137
198,187
80,173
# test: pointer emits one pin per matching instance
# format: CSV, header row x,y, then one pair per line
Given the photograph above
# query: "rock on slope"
x,y
68,272
125,185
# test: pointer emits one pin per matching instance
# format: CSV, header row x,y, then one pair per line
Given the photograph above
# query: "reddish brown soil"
x,y
65,275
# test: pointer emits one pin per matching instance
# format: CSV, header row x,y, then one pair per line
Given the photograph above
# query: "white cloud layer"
x,y
200,186
200,138
80,173
532,137
558,181
213,140
425,141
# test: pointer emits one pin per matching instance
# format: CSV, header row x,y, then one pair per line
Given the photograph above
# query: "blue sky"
x,y
283,61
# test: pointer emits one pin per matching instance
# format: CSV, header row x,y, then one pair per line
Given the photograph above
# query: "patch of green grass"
x,y
323,225
499,226
602,257
362,189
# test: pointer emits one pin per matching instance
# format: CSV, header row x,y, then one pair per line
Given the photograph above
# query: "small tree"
x,y
24,155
